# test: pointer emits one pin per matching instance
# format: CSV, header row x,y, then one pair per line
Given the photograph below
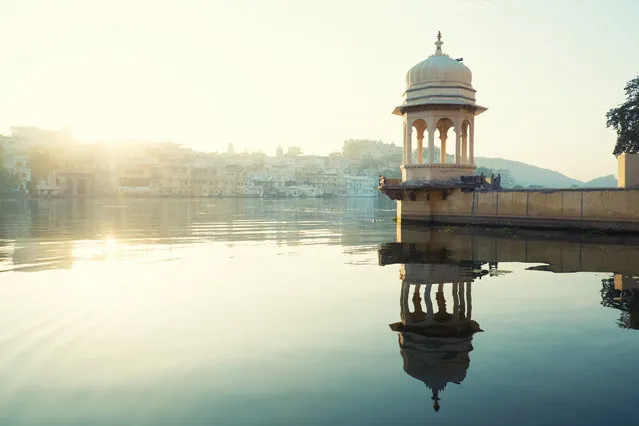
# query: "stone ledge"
x,y
526,222
433,172
439,166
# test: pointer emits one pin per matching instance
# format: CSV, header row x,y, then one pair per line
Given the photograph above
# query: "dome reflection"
x,y
436,328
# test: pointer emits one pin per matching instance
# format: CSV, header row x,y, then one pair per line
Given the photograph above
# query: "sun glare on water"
x,y
110,247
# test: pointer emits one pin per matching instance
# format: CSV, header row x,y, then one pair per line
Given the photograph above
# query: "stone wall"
x,y
606,209
590,254
628,170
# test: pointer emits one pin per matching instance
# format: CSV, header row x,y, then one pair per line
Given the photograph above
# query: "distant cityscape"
x,y
50,163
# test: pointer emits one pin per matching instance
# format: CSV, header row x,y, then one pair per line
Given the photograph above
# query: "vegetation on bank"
x,y
625,120
8,181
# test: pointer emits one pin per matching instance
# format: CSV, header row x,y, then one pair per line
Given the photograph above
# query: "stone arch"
x,y
420,126
443,125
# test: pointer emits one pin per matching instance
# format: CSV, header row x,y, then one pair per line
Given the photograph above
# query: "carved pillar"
x,y
420,149
403,303
441,303
409,145
464,137
471,153
442,153
462,301
455,301
457,145
429,302
418,314
431,146
404,144
469,299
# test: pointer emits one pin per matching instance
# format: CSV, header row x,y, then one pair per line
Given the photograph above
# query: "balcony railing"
x,y
384,181
438,166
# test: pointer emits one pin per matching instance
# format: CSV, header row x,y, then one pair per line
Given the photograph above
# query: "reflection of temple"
x,y
556,252
439,266
622,292
435,338
559,252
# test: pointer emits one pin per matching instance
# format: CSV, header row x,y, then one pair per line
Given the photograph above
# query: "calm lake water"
x,y
306,312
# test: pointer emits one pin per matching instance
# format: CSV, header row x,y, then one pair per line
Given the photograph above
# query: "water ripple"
x,y
56,234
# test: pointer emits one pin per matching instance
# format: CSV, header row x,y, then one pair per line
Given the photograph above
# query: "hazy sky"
x,y
313,73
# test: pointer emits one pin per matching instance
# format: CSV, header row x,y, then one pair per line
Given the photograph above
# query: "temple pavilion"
x,y
439,102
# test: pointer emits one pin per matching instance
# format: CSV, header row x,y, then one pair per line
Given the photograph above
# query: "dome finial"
x,y
439,43
436,399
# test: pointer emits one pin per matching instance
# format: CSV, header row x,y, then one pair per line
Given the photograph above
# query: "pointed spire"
x,y
439,43
436,399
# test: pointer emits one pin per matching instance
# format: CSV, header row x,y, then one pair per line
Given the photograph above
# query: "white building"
x,y
258,184
49,186
302,191
134,178
361,186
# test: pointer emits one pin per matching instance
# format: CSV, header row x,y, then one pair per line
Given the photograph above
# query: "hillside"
x,y
526,174
602,182
514,173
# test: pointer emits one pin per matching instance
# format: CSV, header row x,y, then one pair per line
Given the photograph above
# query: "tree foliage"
x,y
8,180
625,120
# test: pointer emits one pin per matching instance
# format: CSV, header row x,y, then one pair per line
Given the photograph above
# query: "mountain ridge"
x,y
525,174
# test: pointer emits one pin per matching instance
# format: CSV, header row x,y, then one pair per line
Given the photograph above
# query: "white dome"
x,y
439,80
439,69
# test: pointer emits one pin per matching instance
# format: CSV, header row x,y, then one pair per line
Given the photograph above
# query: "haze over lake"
x,y
305,312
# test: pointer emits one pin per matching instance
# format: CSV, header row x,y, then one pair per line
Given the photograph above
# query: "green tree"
x,y
625,120
8,180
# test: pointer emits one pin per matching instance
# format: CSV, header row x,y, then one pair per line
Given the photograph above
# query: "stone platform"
x,y
468,202
435,171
